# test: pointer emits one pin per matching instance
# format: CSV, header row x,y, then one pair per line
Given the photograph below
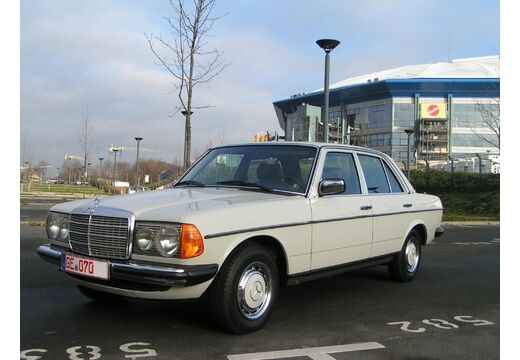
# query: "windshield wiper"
x,y
245,184
190,183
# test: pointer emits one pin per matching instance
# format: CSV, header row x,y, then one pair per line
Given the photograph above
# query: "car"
x,y
134,189
242,222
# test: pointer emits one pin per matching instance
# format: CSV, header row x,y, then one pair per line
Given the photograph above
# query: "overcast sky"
x,y
75,53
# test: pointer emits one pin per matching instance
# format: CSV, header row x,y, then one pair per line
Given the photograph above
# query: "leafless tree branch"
x,y
190,24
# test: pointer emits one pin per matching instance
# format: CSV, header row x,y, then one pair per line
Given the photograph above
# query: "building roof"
x,y
469,68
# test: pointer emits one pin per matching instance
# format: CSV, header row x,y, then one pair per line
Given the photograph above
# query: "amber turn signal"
x,y
192,244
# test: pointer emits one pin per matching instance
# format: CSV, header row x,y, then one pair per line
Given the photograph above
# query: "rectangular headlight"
x,y
157,239
58,226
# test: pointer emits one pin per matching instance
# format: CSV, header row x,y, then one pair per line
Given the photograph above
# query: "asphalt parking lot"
x,y
450,311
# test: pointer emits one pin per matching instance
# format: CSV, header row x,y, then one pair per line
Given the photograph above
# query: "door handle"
x,y
407,205
366,207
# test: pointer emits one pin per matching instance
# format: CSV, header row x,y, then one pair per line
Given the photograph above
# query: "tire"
x,y
245,290
404,267
98,296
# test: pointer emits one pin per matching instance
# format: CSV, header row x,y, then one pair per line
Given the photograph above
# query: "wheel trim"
x,y
411,256
254,291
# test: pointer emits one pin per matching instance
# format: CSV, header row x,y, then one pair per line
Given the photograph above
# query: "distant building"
x,y
446,104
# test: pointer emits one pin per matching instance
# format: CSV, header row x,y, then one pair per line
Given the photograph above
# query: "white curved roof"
x,y
477,67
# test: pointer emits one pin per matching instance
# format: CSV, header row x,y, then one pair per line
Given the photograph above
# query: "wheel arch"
x,y
420,227
269,242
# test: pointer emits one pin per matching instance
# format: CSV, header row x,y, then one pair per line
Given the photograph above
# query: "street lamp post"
x,y
114,171
138,139
101,167
328,45
58,176
409,132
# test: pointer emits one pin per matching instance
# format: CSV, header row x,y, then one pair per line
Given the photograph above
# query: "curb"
x,y
32,223
470,223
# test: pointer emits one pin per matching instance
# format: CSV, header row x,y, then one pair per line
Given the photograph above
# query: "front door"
x,y
342,223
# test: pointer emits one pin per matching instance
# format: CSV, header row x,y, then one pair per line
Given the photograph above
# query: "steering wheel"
x,y
296,183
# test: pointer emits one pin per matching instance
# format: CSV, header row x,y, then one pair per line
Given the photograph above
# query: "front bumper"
x,y
140,274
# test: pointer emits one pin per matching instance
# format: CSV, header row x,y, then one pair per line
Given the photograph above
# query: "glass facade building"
x,y
449,116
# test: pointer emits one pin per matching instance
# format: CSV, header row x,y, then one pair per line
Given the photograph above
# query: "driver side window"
x,y
342,166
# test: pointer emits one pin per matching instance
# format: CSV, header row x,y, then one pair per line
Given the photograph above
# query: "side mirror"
x,y
331,187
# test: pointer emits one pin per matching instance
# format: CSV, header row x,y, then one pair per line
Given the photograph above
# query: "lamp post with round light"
x,y
328,45
138,139
114,171
408,132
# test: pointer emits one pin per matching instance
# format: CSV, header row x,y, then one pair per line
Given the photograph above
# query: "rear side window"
x,y
375,176
394,184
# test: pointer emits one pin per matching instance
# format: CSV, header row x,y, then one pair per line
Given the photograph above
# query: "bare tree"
x,y
490,114
190,26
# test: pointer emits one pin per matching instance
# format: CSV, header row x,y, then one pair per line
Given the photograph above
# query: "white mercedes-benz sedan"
x,y
243,221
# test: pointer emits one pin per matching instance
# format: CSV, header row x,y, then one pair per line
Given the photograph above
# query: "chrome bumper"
x,y
139,273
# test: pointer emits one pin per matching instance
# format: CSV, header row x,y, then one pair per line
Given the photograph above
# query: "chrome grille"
x,y
101,236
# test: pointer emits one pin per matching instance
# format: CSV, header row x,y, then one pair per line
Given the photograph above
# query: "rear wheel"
x,y
405,266
245,290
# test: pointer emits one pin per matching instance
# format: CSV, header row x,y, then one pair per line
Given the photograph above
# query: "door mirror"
x,y
331,187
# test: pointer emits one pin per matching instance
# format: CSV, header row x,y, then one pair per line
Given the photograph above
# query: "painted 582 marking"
x,y
440,324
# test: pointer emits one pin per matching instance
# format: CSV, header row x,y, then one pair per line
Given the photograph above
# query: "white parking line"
x,y
316,353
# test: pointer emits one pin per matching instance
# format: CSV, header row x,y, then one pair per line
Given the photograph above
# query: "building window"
x,y
404,115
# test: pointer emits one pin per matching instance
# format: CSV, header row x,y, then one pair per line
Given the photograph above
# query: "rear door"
x,y
391,206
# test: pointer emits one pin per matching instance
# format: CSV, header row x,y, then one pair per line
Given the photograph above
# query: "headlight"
x,y
167,240
58,226
144,238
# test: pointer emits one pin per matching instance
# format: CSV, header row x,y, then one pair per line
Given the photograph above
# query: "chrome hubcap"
x,y
254,291
411,256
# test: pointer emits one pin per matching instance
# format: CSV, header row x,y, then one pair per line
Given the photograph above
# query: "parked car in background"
x,y
135,189
244,221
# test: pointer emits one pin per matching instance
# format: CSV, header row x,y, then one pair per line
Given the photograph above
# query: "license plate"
x,y
88,267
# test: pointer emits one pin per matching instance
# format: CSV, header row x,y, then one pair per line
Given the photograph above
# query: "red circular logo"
x,y
433,110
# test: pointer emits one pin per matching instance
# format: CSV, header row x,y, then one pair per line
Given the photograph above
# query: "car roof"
x,y
311,144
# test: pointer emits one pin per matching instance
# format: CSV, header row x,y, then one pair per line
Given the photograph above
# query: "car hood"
x,y
173,204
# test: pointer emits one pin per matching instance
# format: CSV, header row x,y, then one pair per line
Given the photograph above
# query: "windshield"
x,y
261,167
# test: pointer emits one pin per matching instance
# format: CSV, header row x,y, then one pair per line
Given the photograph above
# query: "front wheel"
x,y
245,290
405,266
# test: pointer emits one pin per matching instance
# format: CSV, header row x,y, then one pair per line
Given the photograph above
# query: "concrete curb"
x,y
32,223
470,223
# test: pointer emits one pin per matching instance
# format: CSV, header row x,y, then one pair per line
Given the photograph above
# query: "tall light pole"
x,y
138,139
408,132
114,171
58,176
101,166
328,45
187,141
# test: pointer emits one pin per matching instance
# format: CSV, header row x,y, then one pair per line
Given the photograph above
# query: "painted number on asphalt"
x,y
137,353
440,324
76,352
24,355
133,351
